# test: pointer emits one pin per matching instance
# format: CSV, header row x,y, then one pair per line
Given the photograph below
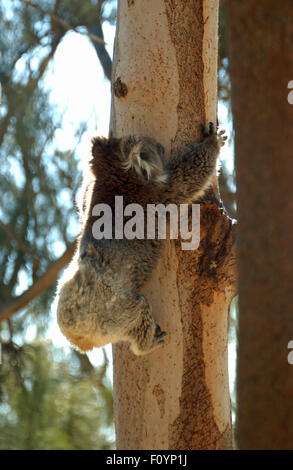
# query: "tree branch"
x,y
101,50
62,23
39,286
19,242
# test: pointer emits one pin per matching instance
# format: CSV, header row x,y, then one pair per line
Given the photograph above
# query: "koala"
x,y
99,299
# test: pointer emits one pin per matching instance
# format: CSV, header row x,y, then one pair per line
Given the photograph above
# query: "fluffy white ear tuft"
x,y
144,158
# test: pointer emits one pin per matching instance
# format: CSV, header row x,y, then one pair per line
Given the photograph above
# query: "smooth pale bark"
x,y
261,59
165,86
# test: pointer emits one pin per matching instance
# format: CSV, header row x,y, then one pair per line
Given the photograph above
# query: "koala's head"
x,y
145,156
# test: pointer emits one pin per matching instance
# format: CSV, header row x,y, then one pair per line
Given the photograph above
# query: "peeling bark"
x,y
178,396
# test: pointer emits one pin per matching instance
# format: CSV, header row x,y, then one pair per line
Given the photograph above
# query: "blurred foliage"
x,y
224,82
47,402
49,399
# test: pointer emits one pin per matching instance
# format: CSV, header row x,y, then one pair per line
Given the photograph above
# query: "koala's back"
x,y
124,263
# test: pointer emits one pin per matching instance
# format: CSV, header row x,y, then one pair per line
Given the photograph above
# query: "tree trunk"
x,y
261,66
165,86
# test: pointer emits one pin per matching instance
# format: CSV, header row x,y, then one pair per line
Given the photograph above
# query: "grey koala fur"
x,y
98,298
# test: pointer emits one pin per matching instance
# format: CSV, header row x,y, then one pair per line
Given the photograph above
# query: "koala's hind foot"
x,y
146,335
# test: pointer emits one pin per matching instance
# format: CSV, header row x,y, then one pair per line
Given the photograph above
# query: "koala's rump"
x,y
95,303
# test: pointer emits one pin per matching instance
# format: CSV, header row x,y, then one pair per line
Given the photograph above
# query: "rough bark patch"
x,y
186,30
120,89
201,274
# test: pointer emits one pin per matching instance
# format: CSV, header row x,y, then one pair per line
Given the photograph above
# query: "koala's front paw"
x,y
210,134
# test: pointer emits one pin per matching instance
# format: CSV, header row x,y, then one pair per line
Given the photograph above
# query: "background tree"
x,y
261,65
178,397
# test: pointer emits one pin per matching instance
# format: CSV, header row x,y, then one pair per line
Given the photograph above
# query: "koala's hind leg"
x,y
145,334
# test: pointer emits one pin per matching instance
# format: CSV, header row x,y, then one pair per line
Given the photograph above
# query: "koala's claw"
x,y
159,333
222,137
159,337
208,131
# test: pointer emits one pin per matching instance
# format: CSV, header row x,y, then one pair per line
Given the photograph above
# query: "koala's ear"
x,y
99,154
99,146
103,151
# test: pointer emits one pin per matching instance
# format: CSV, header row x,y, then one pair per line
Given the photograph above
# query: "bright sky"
x,y
78,85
